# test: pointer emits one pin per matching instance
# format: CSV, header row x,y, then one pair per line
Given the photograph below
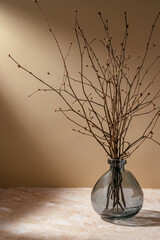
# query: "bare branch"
x,y
106,106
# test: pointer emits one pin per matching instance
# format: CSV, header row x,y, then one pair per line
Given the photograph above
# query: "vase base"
x,y
120,215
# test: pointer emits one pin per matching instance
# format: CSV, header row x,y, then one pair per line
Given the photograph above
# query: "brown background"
x,y
37,145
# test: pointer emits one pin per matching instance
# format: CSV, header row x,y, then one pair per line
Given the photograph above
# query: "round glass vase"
x,y
117,194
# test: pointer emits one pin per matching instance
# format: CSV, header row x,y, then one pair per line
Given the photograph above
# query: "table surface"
x,y
67,214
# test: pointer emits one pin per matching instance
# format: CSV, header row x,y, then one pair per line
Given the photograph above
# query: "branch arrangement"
x,y
105,105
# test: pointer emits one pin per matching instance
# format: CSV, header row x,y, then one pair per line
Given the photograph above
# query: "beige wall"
x,y
37,145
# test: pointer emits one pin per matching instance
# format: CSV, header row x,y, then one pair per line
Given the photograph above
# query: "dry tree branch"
x,y
108,104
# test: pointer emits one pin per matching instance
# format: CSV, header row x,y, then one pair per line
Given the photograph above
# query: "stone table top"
x,y
67,214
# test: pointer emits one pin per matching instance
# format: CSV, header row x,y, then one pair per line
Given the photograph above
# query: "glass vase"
x,y
117,194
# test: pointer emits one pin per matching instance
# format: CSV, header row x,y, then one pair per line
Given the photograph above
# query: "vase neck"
x,y
117,163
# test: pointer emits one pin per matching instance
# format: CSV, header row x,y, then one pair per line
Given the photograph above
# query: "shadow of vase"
x,y
145,218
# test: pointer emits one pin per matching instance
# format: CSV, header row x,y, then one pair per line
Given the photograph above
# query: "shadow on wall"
x,y
22,162
23,159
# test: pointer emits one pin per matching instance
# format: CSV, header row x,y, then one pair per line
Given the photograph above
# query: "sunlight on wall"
x,y
38,146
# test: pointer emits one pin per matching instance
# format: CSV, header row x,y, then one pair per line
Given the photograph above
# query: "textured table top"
x,y
67,214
